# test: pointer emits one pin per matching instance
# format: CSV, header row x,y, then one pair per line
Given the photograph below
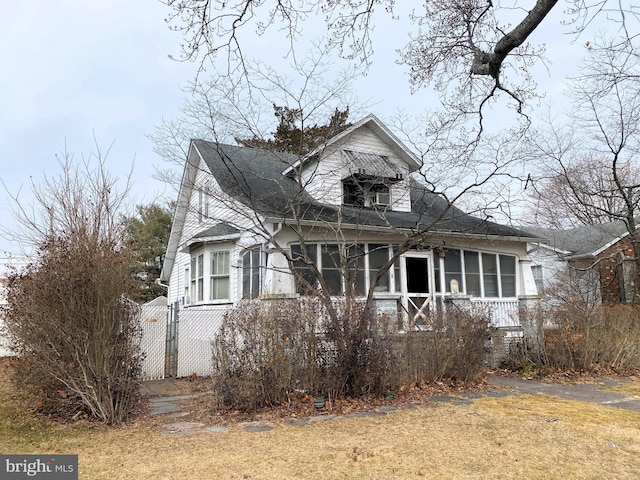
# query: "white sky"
x,y
70,69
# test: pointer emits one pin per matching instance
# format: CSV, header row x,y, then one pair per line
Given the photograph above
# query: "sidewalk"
x,y
581,392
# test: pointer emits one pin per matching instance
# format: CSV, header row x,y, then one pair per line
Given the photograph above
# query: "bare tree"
x,y
590,171
68,313
471,51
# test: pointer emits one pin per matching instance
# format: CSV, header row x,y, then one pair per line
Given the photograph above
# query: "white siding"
x,y
323,179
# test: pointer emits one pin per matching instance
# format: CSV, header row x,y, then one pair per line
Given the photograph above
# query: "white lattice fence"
x,y
4,342
196,329
153,319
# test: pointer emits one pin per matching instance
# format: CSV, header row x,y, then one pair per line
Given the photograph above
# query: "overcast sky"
x,y
72,69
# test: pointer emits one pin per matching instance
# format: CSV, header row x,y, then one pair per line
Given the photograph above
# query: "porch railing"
x,y
504,312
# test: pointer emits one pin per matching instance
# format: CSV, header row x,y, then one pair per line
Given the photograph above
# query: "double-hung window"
x,y
378,258
251,273
197,278
219,276
303,256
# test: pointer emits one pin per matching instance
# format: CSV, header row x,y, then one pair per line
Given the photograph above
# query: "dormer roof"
x,y
380,129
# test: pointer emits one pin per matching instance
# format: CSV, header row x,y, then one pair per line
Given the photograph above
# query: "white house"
x,y
247,218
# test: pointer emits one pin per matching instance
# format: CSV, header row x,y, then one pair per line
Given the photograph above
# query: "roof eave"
x,y
410,157
392,229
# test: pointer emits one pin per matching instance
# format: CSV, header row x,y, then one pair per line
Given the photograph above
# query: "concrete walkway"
x,y
581,392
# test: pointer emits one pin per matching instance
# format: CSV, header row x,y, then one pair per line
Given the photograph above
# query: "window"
x,y
378,257
472,273
485,274
197,278
363,261
490,274
251,273
352,193
331,272
365,193
304,278
186,283
536,270
219,288
379,195
508,275
452,269
355,261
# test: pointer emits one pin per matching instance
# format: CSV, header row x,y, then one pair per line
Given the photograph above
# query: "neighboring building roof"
x,y
255,178
589,240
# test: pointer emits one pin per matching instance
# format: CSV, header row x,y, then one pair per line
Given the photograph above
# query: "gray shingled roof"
x,y
581,240
254,177
218,230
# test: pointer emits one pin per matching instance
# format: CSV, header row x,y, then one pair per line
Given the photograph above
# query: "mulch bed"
x,y
202,407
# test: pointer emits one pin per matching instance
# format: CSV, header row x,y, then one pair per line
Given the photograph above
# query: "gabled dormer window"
x,y
369,181
369,193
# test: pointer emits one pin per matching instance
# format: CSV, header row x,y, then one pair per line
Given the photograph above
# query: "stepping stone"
x,y
182,428
610,383
165,407
301,422
495,393
472,395
179,426
319,418
367,414
388,408
441,398
255,427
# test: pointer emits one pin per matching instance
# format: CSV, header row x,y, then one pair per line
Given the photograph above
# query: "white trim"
x,y
408,157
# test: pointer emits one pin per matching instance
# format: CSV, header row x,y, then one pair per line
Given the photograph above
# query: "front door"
x,y
417,282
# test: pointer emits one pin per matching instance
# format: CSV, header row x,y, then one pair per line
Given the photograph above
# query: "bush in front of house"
x,y
452,346
268,352
584,336
76,334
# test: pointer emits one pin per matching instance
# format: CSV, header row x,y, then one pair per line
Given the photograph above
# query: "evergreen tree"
x,y
149,235
293,136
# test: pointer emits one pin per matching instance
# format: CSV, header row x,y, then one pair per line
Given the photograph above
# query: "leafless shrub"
x,y
264,353
453,346
67,315
584,337
267,353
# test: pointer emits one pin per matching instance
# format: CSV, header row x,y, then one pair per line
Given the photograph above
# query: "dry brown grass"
x,y
524,437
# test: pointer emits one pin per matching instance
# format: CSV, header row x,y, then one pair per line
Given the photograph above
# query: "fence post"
x,y
171,355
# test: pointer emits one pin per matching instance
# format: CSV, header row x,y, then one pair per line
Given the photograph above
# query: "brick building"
x,y
604,253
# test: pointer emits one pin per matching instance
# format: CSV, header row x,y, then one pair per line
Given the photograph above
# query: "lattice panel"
x,y
196,329
4,342
153,319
